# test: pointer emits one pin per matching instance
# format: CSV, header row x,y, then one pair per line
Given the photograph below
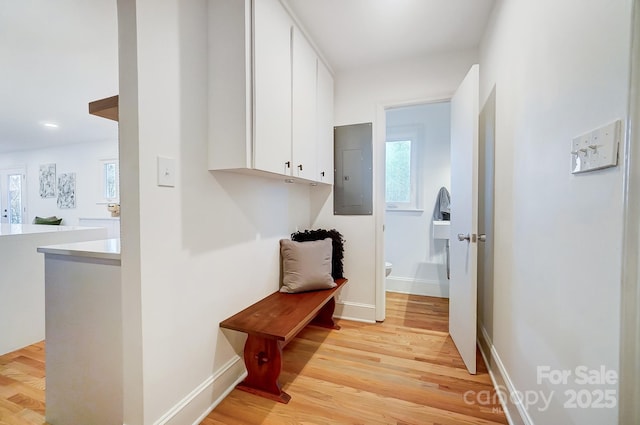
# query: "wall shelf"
x,y
105,108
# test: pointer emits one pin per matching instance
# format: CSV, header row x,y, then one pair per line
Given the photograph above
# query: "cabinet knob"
x,y
300,167
288,164
322,174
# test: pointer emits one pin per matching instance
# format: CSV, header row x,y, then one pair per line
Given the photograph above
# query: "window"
x,y
400,174
398,166
110,180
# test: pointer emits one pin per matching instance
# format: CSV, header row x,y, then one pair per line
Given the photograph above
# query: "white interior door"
x,y
464,222
13,200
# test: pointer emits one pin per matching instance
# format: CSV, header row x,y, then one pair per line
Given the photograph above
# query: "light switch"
x,y
597,149
166,171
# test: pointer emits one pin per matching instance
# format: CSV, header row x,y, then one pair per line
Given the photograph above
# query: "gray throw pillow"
x,y
306,266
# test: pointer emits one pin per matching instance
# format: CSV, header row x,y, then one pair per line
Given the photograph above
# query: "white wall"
x,y
360,96
194,254
82,159
206,230
419,260
560,69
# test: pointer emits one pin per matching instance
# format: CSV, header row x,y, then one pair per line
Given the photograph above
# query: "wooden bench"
x,y
270,324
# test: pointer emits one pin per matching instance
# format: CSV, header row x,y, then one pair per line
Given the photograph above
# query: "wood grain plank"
x,y
32,418
28,403
105,108
404,371
281,316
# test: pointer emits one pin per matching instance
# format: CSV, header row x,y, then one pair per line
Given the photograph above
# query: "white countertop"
x,y
29,229
108,249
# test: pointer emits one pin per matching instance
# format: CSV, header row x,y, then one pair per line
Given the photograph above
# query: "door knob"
x,y
482,237
462,237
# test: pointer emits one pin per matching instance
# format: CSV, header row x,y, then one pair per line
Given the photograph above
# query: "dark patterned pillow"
x,y
337,268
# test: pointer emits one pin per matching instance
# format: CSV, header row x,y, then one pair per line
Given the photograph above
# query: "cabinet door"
x,y
230,82
272,87
325,124
304,153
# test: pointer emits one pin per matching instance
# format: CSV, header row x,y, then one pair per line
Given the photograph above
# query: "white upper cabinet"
x,y
272,87
270,98
325,124
304,65
230,85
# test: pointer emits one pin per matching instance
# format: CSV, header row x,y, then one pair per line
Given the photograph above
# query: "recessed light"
x,y
50,124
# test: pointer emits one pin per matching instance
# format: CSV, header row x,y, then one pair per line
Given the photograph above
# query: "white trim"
x,y
494,378
220,398
515,413
429,288
355,311
379,204
414,210
216,387
630,294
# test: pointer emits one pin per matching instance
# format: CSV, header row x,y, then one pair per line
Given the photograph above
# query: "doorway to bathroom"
x,y
417,176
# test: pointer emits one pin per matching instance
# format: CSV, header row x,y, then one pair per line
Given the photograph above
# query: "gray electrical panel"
x,y
353,177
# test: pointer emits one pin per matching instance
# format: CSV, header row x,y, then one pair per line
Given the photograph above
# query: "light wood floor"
x,y
22,386
403,371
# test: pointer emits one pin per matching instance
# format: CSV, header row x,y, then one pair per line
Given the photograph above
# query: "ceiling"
x,y
357,33
59,55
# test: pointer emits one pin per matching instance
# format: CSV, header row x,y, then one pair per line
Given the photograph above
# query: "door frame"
x,y
379,204
630,290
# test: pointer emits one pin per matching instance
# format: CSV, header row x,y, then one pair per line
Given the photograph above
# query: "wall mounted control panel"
x,y
597,149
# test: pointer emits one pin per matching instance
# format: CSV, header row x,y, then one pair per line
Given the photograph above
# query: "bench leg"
x,y
325,315
263,359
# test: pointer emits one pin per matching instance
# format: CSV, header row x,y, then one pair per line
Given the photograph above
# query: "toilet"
x,y
387,268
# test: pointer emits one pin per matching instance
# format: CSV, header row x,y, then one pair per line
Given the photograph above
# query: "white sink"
x,y
441,229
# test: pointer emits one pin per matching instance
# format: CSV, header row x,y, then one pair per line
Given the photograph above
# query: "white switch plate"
x,y
597,149
166,171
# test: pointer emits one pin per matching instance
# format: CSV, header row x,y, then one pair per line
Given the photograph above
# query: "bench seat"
x,y
270,324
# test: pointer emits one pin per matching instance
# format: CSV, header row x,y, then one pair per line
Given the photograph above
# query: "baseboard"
x,y
514,411
206,396
430,288
355,311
